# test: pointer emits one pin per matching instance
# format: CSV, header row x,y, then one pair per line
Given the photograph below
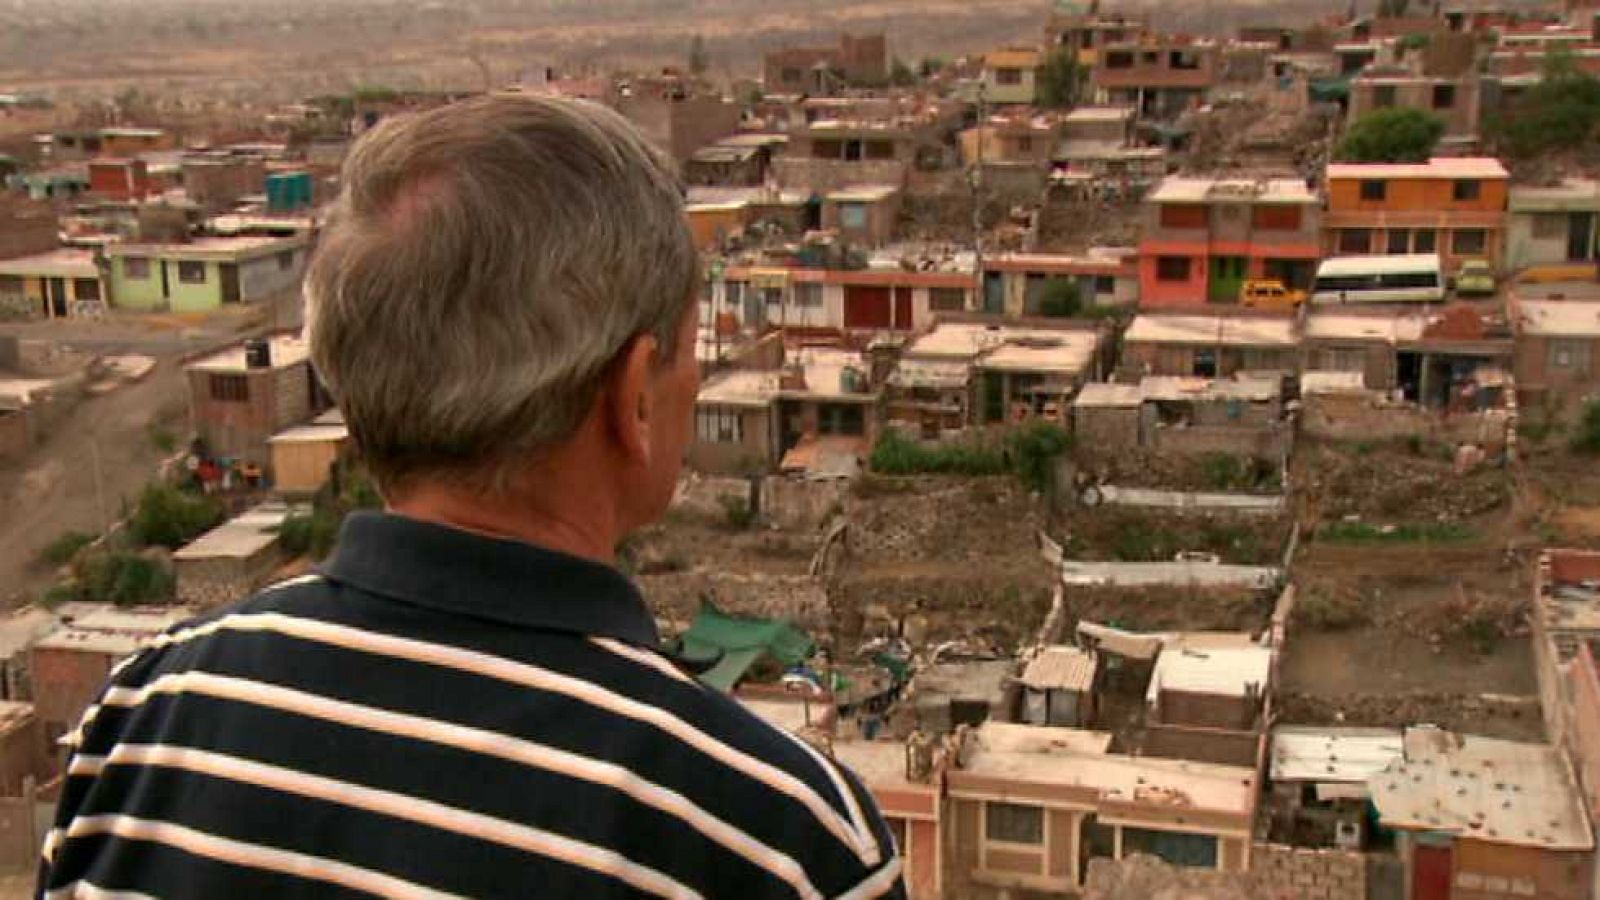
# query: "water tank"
x,y
288,191
257,354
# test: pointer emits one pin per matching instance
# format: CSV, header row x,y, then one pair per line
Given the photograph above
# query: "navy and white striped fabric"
x,y
440,714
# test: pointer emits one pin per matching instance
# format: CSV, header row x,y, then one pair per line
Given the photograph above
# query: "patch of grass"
x,y
169,517
60,551
162,438
1324,612
737,513
125,579
59,593
1423,532
1586,437
1028,452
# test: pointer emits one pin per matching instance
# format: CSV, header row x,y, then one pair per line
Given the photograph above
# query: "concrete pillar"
x,y
1116,842
1072,844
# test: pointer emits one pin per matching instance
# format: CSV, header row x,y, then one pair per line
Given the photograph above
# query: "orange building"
x,y
1453,207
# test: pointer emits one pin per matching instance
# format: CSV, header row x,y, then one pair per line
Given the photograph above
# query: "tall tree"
x,y
1060,79
1397,134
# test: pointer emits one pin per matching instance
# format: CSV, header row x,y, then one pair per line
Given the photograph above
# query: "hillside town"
x,y
1158,464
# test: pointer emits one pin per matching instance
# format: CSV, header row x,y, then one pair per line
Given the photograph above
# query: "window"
x,y
230,388
1119,59
853,215
1550,226
285,260
1399,241
86,288
1183,215
1008,76
1468,190
879,149
1355,240
947,299
136,266
842,418
1569,355
1013,823
1104,285
1374,190
808,295
1424,240
1444,96
718,425
1184,60
1342,359
1195,850
1275,217
1383,96
1149,58
1172,268
1469,241
191,272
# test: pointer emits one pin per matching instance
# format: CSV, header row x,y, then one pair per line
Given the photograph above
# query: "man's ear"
x,y
627,398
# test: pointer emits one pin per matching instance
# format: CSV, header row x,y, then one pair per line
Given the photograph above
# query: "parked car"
x,y
1270,293
1475,279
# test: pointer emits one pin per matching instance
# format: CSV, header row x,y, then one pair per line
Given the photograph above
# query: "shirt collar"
x,y
459,572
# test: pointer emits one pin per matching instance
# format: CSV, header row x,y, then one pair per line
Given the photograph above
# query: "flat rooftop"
x,y
1007,347
65,262
1212,330
1492,790
1558,318
112,630
285,350
1332,754
231,246
1389,329
21,628
311,434
1213,190
1239,671
1066,757
241,537
1066,668
1482,167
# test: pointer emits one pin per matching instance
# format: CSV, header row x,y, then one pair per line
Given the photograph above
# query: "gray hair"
x,y
483,264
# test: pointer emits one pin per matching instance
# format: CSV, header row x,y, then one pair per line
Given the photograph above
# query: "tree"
x,y
1561,112
698,60
900,74
1397,134
1060,299
1587,437
1059,79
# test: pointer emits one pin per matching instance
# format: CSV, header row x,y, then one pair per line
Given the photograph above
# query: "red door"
x,y
902,308
1430,873
866,307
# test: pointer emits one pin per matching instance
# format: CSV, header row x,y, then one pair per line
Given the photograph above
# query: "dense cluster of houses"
x,y
879,259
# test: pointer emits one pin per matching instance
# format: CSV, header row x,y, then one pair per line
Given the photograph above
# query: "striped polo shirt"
x,y
439,714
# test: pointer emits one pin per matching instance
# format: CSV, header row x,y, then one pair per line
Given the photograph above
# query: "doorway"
x,y
1580,236
1227,278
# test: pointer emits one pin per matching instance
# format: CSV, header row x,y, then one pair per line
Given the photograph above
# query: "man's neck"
x,y
513,516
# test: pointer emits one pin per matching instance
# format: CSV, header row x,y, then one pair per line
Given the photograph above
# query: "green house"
x,y
205,273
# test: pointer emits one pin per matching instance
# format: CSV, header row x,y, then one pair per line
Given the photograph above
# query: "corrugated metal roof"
x,y
1307,753
1060,668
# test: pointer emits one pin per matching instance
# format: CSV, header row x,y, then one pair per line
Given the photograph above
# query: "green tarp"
x,y
738,643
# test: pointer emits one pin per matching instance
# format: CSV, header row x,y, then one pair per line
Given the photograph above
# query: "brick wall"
x,y
26,228
1361,417
209,583
65,682
822,175
1214,745
1309,874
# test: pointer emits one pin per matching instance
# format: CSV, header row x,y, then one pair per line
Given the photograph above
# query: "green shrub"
x,y
60,551
1586,438
737,513
126,579
1034,449
162,438
309,534
896,454
1323,612
169,517
1423,532
59,593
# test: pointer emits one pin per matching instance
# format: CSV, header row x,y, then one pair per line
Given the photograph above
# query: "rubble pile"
x,y
1394,485
1509,717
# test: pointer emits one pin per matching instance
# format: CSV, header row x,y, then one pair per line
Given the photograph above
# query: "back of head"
x,y
482,266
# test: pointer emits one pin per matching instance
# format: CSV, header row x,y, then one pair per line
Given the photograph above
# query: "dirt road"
x,y
56,490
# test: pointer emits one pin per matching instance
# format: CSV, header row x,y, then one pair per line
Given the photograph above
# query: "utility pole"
x,y
977,198
99,483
